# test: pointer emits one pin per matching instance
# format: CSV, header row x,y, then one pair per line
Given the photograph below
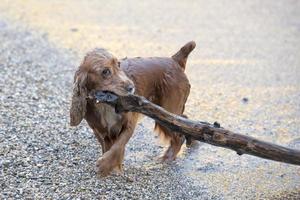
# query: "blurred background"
x,y
244,72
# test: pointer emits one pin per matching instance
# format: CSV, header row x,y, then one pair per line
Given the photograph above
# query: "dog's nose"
x,y
130,88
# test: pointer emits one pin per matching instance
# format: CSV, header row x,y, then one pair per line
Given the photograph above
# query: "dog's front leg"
x,y
113,158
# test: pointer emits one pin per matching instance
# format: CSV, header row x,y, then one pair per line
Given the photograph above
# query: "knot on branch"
x,y
217,124
239,152
207,133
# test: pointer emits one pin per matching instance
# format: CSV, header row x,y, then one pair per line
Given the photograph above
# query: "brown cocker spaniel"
x,y
160,79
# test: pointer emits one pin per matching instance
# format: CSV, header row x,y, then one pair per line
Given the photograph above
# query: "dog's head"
x,y
99,70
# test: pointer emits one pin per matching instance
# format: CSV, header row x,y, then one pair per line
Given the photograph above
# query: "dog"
x,y
159,79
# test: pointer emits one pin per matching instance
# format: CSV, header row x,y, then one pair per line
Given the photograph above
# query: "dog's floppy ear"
x,y
78,105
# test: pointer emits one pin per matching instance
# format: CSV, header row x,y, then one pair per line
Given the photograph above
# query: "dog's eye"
x,y
106,72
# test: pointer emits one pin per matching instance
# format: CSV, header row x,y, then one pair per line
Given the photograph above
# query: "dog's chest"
x,y
109,119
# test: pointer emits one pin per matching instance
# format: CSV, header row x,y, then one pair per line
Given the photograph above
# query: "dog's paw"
x,y
169,156
108,163
103,167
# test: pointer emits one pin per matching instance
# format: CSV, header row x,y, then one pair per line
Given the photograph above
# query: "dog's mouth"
x,y
107,94
130,89
121,91
103,96
124,91
106,97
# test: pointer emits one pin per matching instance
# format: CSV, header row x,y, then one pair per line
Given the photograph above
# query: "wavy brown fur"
x,y
160,79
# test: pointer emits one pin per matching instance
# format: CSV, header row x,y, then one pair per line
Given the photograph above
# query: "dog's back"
x,y
155,77
162,80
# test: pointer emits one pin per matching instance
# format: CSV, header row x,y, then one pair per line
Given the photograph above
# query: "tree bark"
x,y
202,131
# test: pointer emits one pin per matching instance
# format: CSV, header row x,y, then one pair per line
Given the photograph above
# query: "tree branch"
x,y
202,131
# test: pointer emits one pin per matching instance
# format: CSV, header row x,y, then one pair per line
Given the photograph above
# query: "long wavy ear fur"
x,y
78,105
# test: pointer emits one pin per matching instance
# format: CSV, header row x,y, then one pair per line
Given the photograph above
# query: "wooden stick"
x,y
202,131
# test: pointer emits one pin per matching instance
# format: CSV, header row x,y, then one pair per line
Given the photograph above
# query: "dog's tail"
x,y
181,56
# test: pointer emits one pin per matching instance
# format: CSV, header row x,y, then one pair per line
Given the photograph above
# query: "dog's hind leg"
x,y
175,140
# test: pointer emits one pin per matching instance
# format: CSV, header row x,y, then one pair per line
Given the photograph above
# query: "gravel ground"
x,y
246,50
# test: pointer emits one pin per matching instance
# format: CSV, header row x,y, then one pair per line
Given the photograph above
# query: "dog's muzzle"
x,y
130,89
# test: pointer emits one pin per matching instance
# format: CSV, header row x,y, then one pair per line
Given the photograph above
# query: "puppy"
x,y
160,79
